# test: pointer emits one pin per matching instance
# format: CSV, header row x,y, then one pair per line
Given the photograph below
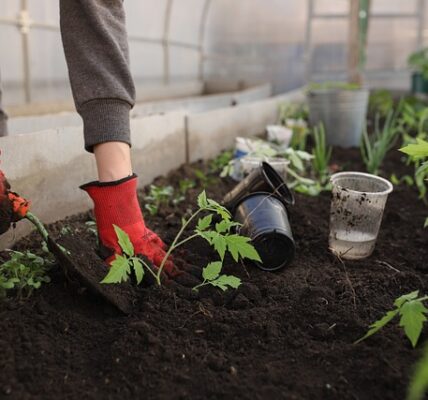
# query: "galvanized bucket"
x,y
343,113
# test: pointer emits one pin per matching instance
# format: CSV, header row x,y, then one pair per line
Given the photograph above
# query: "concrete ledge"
x,y
211,132
48,166
34,123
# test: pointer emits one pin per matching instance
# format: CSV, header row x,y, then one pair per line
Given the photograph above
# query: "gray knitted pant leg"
x,y
96,50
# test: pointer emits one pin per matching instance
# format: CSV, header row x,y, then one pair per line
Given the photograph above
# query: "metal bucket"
x,y
342,112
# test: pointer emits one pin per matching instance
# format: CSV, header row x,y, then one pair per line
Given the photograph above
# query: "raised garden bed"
x,y
287,334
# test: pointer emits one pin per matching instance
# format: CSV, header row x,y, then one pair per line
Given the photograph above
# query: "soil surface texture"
x,y
282,335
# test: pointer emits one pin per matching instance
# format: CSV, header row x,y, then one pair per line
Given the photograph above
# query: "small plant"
x,y
412,314
419,380
374,148
221,161
204,179
333,85
123,265
381,102
211,276
419,152
91,227
322,154
158,196
294,111
418,61
23,272
220,237
183,187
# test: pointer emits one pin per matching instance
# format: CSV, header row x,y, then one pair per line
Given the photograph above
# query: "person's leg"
x,y
96,49
113,161
3,116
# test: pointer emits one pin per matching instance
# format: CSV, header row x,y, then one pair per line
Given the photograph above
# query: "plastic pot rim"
x,y
269,160
288,198
389,185
266,194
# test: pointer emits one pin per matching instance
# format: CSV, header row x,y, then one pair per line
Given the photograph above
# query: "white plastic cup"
x,y
279,134
357,205
248,164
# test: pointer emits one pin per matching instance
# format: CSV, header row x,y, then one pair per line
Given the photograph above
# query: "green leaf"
x,y
202,200
239,246
419,380
426,223
219,209
138,269
124,241
219,243
376,326
204,222
119,270
212,270
412,319
406,297
225,281
418,150
225,226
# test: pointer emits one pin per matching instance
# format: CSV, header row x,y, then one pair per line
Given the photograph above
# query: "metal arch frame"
x,y
25,24
418,15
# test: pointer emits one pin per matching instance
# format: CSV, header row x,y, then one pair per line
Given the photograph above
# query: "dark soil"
x,y
285,335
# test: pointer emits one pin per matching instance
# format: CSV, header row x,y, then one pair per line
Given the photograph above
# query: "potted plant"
x,y
341,107
418,62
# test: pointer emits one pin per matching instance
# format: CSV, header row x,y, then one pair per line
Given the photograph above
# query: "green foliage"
x,y
158,196
381,102
418,61
412,313
221,161
23,273
418,152
297,111
405,179
91,227
123,265
374,148
220,237
419,379
321,153
333,85
211,275
204,179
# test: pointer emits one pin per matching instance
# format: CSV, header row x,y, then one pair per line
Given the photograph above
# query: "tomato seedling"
x,y
211,275
221,238
412,314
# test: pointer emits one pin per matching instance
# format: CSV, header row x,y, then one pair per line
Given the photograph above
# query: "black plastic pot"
x,y
264,219
263,179
419,83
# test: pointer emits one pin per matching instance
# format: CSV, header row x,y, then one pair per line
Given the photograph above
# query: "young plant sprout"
x,y
23,272
211,275
220,237
374,148
158,196
412,313
122,265
419,153
322,154
419,379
